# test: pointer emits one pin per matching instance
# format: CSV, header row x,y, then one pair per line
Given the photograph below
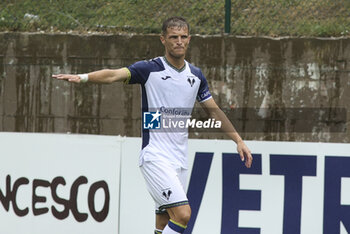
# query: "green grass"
x,y
322,18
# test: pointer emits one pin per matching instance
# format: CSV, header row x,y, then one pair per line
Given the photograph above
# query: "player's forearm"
x,y
226,125
106,76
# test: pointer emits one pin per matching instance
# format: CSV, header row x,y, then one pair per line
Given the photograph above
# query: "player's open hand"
x,y
67,77
244,153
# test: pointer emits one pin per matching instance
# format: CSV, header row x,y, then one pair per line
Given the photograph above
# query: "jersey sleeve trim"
x,y
129,75
206,99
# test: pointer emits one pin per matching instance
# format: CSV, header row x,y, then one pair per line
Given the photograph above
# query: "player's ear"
x,y
162,39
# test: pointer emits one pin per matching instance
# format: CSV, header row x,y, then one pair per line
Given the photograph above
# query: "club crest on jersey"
x,y
152,120
191,80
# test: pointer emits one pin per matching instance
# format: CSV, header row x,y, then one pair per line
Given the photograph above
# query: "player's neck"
x,y
178,63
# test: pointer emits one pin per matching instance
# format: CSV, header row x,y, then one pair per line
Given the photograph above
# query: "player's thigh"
x,y
180,214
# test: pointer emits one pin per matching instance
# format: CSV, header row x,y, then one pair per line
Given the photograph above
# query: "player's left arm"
x,y
226,126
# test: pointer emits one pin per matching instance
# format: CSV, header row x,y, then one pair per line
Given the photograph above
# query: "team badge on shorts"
x,y
166,193
152,120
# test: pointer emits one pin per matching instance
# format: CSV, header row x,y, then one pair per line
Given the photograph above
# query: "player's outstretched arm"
x,y
105,76
226,126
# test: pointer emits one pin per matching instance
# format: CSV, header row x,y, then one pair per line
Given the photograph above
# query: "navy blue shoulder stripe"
x,y
140,70
203,91
196,71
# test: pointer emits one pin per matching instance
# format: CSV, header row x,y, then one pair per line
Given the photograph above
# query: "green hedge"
x,y
322,18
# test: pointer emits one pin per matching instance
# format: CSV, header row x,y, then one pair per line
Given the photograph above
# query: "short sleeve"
x,y
203,91
137,73
140,71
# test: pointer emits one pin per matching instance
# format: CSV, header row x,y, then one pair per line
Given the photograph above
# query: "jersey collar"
x,y
173,67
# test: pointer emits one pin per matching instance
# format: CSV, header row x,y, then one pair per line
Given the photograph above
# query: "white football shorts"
x,y
166,183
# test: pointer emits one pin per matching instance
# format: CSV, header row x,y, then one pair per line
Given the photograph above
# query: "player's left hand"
x,y
244,153
67,77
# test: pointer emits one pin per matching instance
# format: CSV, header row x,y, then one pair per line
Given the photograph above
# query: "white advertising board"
x,y
55,183
293,187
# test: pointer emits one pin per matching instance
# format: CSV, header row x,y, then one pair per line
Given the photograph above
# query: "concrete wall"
x,y
261,83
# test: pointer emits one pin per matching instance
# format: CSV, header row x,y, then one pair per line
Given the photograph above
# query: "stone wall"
x,y
294,89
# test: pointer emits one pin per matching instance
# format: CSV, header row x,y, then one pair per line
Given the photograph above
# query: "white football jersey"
x,y
167,90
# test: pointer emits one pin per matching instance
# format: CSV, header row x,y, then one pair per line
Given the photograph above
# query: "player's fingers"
x,y
70,78
249,160
241,154
60,76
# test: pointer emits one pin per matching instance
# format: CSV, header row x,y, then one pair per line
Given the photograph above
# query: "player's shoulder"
x,y
151,65
196,71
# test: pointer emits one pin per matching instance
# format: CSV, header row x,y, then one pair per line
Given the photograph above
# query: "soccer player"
x,y
168,82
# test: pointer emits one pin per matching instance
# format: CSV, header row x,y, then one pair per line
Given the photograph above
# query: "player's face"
x,y
176,41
